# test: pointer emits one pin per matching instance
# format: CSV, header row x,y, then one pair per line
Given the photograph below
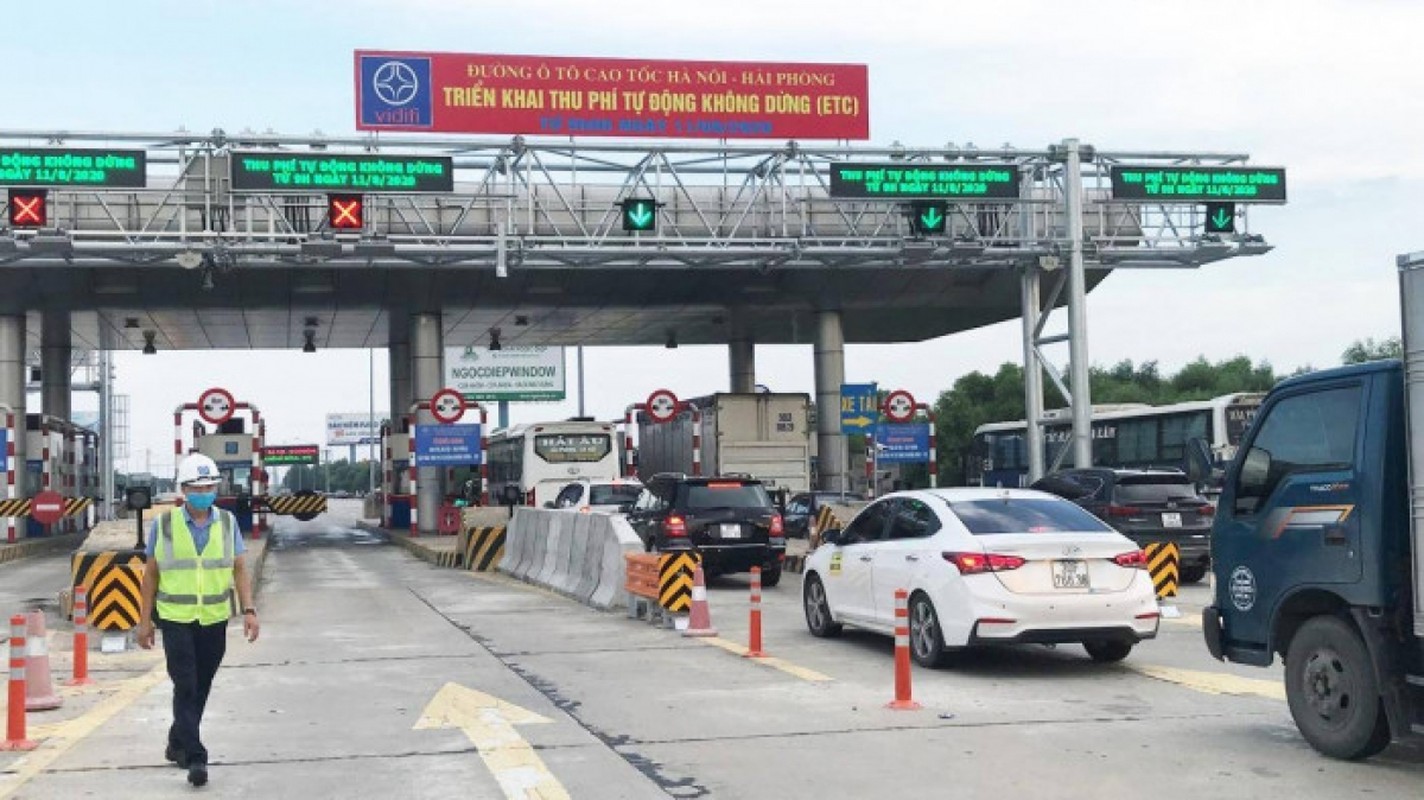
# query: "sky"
x,y
1331,90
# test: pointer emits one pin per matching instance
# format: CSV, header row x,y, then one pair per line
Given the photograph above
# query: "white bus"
x,y
544,457
1134,435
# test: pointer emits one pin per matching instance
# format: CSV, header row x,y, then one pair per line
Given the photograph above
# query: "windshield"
x,y
1025,515
727,494
1155,490
613,495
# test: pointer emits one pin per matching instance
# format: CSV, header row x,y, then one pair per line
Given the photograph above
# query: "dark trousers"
x,y
193,653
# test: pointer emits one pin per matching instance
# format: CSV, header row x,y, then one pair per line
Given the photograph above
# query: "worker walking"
x,y
194,579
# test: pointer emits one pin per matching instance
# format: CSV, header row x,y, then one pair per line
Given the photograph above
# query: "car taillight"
x,y
529,498
675,527
1124,511
1207,510
1134,560
778,528
975,563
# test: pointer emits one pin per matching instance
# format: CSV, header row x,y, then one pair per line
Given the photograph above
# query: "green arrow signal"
x,y
1221,219
931,219
640,215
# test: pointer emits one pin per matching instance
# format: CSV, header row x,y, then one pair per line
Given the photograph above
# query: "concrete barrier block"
x,y
588,556
613,575
549,545
578,552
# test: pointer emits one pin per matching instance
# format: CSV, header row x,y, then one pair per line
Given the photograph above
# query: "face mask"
x,y
202,501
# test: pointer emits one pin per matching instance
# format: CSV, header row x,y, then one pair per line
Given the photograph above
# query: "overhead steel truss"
x,y
555,204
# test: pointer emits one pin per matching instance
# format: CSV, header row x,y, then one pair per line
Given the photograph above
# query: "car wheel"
x,y
1333,692
1193,574
926,641
770,577
818,609
1108,652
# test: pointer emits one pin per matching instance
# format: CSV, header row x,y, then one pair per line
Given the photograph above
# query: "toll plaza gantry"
x,y
192,241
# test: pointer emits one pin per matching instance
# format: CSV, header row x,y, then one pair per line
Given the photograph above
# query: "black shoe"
x,y
178,757
198,774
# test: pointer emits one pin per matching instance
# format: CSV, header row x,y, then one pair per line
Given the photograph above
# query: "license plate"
x,y
1172,519
731,531
1070,575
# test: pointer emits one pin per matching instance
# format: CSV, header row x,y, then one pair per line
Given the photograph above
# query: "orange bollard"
x,y
39,687
15,721
81,638
903,700
699,623
754,645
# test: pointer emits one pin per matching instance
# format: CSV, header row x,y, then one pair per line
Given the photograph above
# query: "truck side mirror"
x,y
1255,473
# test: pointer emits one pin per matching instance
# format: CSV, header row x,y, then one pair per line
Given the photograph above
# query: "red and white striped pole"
x,y
903,700
410,422
484,456
754,639
81,638
628,439
10,468
934,458
387,476
15,721
696,440
256,471
177,436
870,465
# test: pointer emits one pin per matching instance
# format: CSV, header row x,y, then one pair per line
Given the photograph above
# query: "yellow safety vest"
x,y
195,587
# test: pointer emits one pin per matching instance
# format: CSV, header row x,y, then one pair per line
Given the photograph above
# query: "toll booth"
x,y
232,447
395,476
61,457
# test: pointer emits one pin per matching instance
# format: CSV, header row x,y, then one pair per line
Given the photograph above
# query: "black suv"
x,y
728,520
1146,506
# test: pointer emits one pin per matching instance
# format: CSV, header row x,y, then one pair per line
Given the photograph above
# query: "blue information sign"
x,y
448,446
902,444
859,411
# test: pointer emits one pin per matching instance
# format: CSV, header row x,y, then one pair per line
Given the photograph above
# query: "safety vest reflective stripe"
x,y
193,599
178,563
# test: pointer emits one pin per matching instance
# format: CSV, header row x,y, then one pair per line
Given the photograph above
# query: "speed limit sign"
x,y
662,406
900,406
447,406
216,406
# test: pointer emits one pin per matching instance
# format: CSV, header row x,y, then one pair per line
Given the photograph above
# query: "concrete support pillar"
x,y
742,356
12,395
398,352
55,354
427,350
830,374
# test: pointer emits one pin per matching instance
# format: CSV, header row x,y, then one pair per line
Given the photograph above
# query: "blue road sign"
x,y
448,446
395,92
902,444
859,411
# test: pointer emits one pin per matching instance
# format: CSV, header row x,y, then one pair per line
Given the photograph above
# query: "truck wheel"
x,y
1332,691
1193,574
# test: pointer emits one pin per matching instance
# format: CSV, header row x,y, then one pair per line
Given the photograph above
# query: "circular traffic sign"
x,y
662,406
47,508
216,406
900,406
447,406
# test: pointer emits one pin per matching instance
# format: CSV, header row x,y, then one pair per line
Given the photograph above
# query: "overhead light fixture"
x,y
321,248
148,346
207,280
521,319
55,243
311,322
131,323
671,339
373,248
494,340
189,259
310,345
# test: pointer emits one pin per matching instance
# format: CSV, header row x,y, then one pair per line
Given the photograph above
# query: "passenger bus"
x,y
1133,435
542,458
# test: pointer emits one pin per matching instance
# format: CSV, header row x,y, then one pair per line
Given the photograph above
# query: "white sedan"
x,y
983,566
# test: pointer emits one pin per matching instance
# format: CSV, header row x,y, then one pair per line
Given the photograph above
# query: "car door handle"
x,y
912,558
867,558
1335,536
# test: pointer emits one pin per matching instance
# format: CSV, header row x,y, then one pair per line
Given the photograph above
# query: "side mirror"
x,y
511,495
549,504
1255,473
833,536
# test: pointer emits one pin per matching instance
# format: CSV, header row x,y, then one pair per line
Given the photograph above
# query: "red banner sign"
x,y
558,96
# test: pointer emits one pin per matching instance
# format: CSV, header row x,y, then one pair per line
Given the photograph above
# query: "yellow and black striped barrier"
x,y
15,508
675,581
302,506
74,506
112,580
1163,564
482,548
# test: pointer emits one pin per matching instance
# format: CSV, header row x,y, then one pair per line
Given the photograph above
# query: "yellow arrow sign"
x,y
489,723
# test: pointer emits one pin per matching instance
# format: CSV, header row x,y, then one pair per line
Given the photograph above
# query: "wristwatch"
x,y
251,611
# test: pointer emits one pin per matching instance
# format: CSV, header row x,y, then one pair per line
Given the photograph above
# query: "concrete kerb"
x,y
29,548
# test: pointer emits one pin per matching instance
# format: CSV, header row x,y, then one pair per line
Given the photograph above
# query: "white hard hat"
x,y
198,470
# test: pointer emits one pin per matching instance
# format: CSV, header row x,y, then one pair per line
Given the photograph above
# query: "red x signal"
x,y
28,208
345,212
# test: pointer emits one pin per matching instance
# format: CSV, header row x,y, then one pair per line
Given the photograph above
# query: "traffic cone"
x,y
15,699
39,687
699,623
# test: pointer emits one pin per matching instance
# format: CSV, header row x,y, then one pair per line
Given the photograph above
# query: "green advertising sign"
x,y
901,181
68,167
1200,184
291,454
327,172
